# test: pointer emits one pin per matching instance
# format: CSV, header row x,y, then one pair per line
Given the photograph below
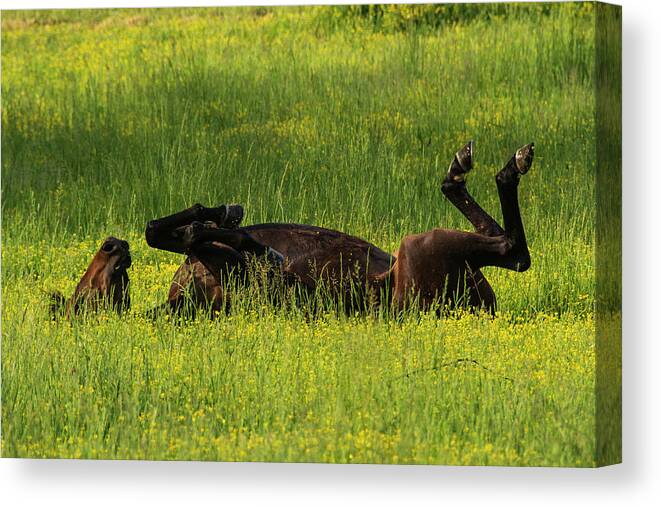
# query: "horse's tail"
x,y
381,286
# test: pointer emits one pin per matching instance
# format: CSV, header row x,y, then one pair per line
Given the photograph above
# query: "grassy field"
x,y
313,115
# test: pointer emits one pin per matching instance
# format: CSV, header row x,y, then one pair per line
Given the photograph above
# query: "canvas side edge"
x,y
608,244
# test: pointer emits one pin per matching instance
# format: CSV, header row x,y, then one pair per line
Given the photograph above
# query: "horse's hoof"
x,y
462,163
226,216
233,216
523,158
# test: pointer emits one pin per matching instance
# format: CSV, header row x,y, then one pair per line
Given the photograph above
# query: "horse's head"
x,y
113,258
106,280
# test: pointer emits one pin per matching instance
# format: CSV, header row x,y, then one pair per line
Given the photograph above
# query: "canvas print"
x,y
338,234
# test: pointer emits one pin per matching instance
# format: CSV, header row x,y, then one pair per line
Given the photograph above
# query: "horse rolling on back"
x,y
440,268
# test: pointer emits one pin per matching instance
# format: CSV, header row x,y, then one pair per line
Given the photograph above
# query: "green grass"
x,y
311,115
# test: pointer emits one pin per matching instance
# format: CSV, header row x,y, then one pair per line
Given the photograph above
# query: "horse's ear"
x,y
233,216
57,304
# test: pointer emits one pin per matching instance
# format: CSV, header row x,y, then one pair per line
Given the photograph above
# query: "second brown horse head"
x,y
105,282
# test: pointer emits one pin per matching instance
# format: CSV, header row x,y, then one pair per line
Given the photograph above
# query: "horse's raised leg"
x,y
493,246
507,181
160,233
454,188
237,239
508,249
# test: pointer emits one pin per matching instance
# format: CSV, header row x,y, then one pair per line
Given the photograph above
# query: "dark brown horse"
x,y
440,266
105,282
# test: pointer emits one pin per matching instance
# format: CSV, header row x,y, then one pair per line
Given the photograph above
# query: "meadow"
x,y
317,115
